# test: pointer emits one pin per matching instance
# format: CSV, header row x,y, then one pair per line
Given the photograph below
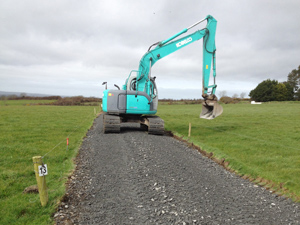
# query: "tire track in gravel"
x,y
136,178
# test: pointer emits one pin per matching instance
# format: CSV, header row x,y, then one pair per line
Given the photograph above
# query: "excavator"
x,y
137,101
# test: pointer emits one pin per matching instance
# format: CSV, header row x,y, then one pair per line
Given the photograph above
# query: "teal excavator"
x,y
137,101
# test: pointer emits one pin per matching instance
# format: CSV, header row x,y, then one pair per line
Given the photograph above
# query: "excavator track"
x,y
111,123
155,125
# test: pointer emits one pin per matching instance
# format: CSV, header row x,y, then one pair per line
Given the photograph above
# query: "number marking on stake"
x,y
43,170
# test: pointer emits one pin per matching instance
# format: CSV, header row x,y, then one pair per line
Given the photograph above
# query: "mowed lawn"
x,y
28,130
258,140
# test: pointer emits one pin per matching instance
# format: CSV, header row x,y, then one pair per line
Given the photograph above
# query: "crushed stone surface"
x,y
136,178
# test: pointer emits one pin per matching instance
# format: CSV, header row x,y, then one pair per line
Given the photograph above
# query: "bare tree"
x,y
222,93
235,96
242,95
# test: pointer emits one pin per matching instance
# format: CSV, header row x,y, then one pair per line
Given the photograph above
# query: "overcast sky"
x,y
62,47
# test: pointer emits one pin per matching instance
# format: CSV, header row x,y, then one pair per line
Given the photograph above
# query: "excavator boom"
x,y
210,108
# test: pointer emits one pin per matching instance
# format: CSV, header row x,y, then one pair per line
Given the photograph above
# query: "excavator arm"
x,y
151,57
210,108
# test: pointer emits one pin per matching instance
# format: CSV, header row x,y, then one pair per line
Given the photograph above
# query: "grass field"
x,y
24,102
258,140
31,130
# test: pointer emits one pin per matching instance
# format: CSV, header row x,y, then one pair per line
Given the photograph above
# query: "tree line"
x,y
272,90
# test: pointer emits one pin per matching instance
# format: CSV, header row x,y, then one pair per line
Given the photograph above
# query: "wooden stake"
x,y
190,129
41,180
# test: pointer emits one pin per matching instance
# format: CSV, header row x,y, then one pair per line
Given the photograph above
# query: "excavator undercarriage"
x,y
152,124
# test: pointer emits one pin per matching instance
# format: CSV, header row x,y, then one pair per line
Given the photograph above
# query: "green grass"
x,y
257,140
25,102
32,130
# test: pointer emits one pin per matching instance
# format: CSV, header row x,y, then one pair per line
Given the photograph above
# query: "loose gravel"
x,y
136,178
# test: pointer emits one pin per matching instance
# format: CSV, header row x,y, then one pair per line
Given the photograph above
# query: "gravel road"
x,y
136,178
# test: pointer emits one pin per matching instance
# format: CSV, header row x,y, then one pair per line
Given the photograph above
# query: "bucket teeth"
x,y
211,110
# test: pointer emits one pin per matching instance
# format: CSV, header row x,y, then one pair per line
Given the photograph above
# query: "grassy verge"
x,y
25,102
32,130
260,141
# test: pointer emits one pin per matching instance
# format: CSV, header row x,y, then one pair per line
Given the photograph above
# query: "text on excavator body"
x,y
183,42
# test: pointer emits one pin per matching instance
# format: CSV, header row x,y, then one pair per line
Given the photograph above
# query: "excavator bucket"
x,y
210,110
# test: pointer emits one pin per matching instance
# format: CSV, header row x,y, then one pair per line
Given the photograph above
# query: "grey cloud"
x,y
86,42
